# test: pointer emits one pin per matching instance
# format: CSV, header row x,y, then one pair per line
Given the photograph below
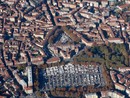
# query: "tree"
x,y
21,67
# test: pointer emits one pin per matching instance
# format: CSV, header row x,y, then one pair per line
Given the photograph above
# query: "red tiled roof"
x,y
119,76
128,76
53,59
127,84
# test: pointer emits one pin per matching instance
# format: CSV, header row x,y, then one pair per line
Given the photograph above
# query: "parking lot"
x,y
73,75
